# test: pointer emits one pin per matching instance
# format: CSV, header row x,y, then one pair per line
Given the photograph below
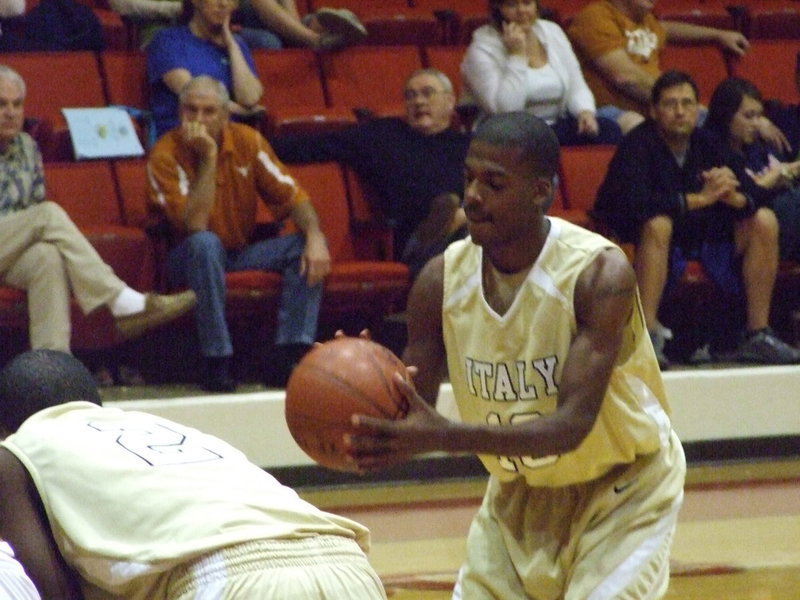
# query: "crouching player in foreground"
x,y
104,503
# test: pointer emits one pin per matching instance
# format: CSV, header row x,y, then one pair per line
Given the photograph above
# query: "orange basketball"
x,y
342,377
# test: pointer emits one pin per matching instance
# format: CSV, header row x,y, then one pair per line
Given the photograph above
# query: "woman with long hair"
x,y
735,114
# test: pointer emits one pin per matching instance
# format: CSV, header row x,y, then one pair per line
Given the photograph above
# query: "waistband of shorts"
x,y
263,555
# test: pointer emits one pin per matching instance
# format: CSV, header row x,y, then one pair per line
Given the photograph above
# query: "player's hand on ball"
x,y
375,444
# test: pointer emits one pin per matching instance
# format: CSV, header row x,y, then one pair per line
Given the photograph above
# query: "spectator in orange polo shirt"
x,y
207,176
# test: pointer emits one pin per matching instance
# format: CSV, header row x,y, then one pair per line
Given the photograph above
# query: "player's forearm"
x,y
546,436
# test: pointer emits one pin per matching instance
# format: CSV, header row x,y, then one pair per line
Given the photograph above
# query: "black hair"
x,y
725,102
186,13
670,79
39,379
532,135
496,16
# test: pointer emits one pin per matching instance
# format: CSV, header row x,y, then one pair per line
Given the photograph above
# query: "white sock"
x,y
127,302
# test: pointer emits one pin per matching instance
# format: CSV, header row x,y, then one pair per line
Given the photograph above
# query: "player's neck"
x,y
500,289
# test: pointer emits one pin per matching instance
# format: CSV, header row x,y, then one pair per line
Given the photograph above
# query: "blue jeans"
x,y
253,30
200,262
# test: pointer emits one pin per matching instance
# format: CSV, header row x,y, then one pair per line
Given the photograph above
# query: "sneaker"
x,y
342,22
158,310
764,347
130,376
701,355
659,337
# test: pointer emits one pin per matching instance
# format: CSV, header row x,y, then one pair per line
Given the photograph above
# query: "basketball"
x,y
342,377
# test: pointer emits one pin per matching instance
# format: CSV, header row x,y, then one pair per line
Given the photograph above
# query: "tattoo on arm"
x,y
612,291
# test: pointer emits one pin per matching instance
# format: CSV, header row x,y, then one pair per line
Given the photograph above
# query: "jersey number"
x,y
516,463
158,445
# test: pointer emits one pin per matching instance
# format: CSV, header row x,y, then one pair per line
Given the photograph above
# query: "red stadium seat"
x,y
562,11
351,81
771,64
772,19
57,80
125,77
579,184
709,13
357,284
87,191
417,29
294,95
704,62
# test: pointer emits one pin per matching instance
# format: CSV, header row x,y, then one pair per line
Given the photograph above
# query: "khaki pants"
x,y
44,253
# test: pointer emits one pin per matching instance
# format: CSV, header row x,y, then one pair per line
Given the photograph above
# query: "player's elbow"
x,y
577,429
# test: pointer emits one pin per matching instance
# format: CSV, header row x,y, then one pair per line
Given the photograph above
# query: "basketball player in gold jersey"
x,y
540,327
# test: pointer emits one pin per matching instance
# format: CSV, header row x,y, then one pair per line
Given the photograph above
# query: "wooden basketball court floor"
x,y
738,535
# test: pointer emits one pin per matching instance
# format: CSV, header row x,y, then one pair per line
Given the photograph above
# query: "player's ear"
x,y
544,190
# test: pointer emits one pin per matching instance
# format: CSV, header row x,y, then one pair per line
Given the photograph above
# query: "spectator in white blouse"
x,y
520,62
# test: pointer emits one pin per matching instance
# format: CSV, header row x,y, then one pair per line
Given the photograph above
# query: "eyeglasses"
x,y
674,103
425,93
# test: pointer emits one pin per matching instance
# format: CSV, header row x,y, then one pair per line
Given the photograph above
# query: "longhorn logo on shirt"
x,y
641,42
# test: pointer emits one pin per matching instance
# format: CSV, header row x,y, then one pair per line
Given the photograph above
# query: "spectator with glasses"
x,y
414,165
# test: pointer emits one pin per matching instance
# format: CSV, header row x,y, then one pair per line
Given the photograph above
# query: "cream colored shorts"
x,y
325,567
601,540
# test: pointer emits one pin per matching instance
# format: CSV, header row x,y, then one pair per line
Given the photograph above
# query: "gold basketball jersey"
x,y
506,369
130,495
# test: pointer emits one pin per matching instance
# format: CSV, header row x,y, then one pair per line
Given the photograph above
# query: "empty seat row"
x,y
114,214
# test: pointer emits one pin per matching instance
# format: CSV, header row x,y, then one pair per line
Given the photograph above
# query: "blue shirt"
x,y
178,48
